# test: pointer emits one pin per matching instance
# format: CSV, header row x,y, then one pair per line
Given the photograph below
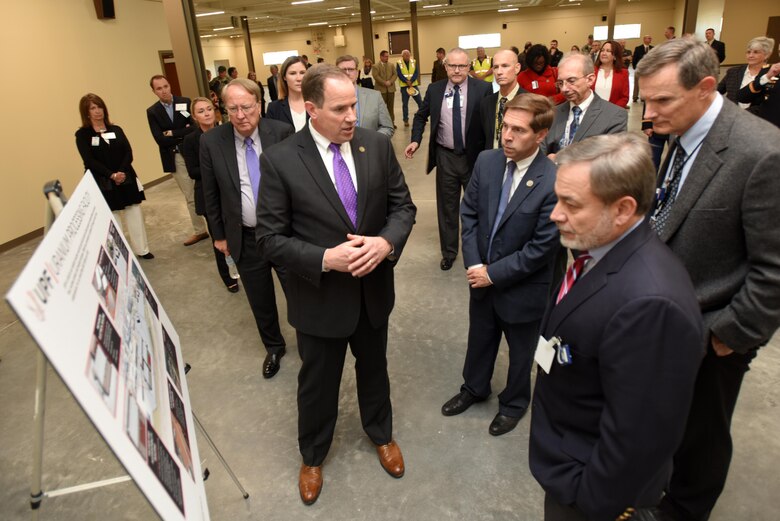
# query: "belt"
x,y
451,150
248,228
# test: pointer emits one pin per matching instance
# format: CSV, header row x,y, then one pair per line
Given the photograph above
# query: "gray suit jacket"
x,y
602,117
722,226
373,112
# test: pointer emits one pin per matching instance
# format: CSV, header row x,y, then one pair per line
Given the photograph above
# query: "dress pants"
x,y
259,287
318,387
485,329
554,511
134,228
405,101
701,463
389,98
187,186
452,176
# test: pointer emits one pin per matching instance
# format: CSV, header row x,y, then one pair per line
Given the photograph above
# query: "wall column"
x,y
368,31
183,29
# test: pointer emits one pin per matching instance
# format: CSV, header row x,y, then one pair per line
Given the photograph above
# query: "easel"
x,y
55,203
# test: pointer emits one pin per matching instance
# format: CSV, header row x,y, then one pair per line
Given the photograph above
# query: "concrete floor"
x,y
455,469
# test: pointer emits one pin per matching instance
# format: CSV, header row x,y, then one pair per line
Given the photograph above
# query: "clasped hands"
x,y
359,255
118,177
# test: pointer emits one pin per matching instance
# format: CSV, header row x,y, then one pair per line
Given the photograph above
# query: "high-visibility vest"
x,y
482,67
408,72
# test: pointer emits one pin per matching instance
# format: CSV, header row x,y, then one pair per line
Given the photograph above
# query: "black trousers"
x,y
485,330
701,463
554,511
259,287
318,387
452,176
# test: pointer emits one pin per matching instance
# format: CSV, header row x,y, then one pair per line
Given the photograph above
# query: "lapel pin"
x,y
362,149
529,183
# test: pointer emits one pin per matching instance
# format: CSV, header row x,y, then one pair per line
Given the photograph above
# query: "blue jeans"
x,y
405,102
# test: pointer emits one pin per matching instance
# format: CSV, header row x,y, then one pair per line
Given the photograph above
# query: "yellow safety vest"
x,y
482,67
407,72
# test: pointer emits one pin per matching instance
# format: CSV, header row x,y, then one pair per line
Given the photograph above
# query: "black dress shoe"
x,y
445,264
271,365
233,288
502,424
458,403
148,256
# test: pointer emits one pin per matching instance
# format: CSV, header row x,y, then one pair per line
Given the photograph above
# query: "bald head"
x,y
505,70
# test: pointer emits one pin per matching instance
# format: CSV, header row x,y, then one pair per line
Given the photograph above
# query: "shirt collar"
x,y
585,104
240,139
323,143
598,253
511,94
523,164
696,134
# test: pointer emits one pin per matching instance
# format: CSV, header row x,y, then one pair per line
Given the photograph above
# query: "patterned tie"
x,y
253,166
344,185
506,190
575,124
457,131
669,191
500,118
573,274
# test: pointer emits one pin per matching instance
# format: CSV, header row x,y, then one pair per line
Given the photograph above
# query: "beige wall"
x,y
742,21
60,54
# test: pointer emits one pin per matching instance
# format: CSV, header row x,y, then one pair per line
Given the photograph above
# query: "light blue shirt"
x,y
168,108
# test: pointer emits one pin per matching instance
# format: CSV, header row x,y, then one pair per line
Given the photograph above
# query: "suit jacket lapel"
x,y
558,129
310,156
360,156
587,120
494,188
229,150
472,103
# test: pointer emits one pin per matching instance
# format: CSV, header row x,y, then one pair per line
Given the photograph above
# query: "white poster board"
x,y
85,300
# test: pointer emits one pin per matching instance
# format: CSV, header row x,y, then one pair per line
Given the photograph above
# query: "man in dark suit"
x,y
716,45
555,53
716,208
622,341
273,81
336,212
764,92
639,53
456,139
439,71
584,114
230,174
170,121
509,243
505,71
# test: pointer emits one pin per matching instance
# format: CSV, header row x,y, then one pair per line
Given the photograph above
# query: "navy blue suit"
x,y
520,266
605,428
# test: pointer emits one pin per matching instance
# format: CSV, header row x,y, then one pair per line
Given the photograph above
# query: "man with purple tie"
x,y
335,211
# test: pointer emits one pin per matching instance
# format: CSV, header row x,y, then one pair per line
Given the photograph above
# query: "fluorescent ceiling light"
x,y
318,23
299,2
434,5
337,8
223,28
209,14
507,10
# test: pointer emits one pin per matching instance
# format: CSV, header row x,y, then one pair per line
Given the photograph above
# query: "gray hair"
x,y
762,43
459,50
695,61
584,59
243,83
620,165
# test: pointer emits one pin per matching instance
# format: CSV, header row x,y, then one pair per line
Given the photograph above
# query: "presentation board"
x,y
87,303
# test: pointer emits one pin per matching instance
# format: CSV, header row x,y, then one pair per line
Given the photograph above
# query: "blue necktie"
x,y
575,123
670,190
252,166
457,131
506,191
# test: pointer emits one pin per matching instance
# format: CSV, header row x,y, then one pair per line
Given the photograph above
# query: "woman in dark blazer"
x,y
289,108
253,77
205,115
107,154
610,71
758,50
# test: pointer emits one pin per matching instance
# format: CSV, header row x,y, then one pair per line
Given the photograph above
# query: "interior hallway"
x,y
455,469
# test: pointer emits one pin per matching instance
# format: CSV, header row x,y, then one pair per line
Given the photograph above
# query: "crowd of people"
x,y
641,341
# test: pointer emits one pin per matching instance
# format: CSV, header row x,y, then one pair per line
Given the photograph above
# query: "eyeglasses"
x,y
457,66
349,70
569,81
246,109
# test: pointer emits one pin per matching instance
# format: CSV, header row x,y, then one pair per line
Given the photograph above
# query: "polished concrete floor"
x,y
455,469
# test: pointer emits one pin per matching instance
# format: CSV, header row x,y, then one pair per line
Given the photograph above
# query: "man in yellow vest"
x,y
408,76
482,66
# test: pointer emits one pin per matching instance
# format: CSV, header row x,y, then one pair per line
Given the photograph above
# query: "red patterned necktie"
x,y
573,273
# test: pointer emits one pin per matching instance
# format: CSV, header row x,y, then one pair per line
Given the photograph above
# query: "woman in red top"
x,y
539,77
611,77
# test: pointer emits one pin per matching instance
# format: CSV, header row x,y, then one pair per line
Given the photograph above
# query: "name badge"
x,y
534,84
545,352
109,135
184,113
180,106
95,141
449,102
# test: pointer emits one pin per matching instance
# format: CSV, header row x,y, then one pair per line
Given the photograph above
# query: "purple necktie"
x,y
253,166
344,185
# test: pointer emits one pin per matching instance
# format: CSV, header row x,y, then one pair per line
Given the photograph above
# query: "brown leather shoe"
x,y
391,459
196,238
310,484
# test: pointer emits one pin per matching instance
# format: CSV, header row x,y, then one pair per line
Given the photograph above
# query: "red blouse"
x,y
545,83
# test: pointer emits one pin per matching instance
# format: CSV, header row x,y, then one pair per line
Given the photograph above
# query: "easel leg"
x,y
36,490
219,455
